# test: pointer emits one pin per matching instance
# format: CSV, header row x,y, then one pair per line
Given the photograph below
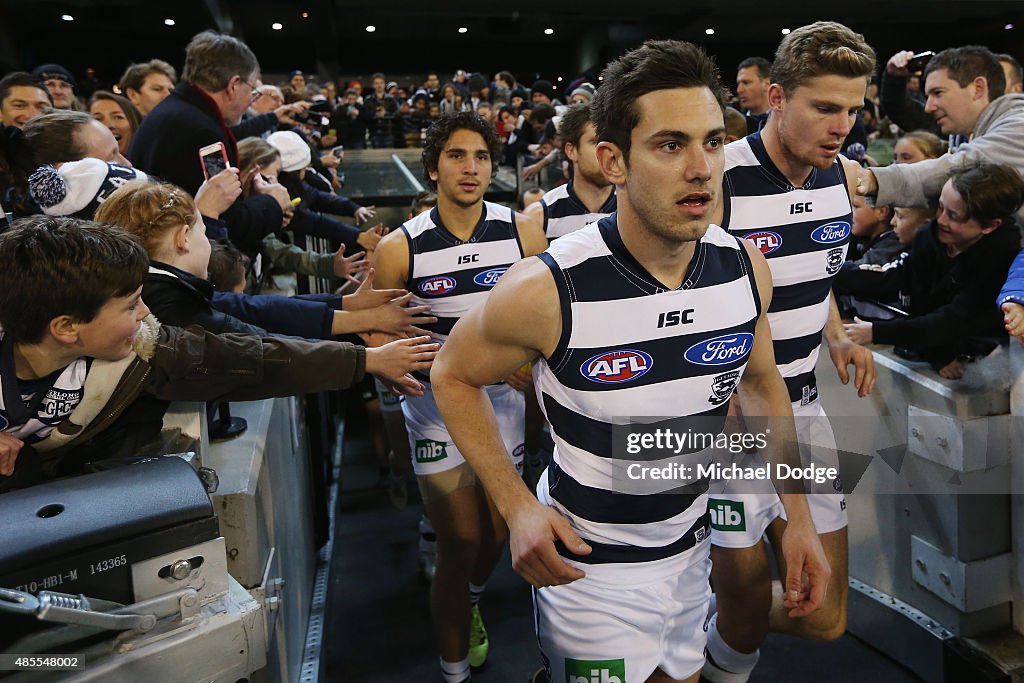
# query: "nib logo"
x,y
595,671
727,515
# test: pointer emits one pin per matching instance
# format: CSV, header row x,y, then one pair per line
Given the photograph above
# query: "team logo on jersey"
x,y
614,367
58,404
489,278
595,670
436,286
722,350
765,240
834,260
830,233
722,386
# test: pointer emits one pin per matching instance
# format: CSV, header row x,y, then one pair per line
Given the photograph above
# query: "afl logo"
x,y
830,233
615,367
765,240
436,286
489,278
728,348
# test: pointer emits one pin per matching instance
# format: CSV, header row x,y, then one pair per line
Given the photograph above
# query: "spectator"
x,y
504,84
89,332
227,268
117,114
60,83
218,84
965,95
486,111
1013,73
753,76
448,99
954,271
267,112
540,93
1011,299
22,96
297,81
78,188
385,122
351,121
148,84
582,94
918,145
901,96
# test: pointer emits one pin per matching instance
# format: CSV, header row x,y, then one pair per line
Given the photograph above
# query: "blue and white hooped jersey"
x,y
565,213
451,275
804,233
630,347
64,391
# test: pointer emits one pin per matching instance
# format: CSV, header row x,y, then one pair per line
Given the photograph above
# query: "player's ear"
x,y
612,162
776,95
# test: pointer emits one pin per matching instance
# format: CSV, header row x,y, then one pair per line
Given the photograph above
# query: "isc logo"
x,y
595,671
489,278
613,367
830,233
727,515
436,286
720,350
765,240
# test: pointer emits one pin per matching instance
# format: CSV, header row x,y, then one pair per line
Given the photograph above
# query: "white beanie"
x,y
78,188
295,154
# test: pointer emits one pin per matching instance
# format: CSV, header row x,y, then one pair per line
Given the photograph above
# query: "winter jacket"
x,y
998,137
950,298
191,364
1013,290
167,145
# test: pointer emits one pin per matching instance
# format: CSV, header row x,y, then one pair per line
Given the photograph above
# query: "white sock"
x,y
455,672
728,665
475,592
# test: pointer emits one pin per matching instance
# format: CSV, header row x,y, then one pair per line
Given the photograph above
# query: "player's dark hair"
x,y
57,265
573,124
655,65
442,129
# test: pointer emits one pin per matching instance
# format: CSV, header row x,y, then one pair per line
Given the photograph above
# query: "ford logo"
x,y
489,278
722,350
765,240
830,233
614,367
436,286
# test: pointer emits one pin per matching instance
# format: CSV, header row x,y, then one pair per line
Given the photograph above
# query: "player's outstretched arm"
x,y
763,393
519,321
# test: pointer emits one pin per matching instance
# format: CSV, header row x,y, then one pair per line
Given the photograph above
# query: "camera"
x,y
317,115
919,61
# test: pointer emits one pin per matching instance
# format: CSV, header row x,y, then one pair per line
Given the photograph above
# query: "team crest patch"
x,y
722,386
834,260
58,404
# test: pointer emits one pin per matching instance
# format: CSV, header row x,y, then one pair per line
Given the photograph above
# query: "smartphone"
x,y
214,159
338,152
919,61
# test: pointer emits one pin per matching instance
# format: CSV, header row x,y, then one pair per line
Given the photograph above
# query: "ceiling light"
x,y
1008,27
168,22
559,79
548,31
785,31
463,29
67,17
709,31
277,26
371,29
305,15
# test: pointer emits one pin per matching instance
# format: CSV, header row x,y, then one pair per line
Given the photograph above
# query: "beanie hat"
x,y
476,82
585,89
46,71
78,188
295,154
543,87
519,91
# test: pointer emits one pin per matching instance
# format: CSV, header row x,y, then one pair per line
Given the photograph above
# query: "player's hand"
x,y
897,64
346,267
807,570
9,448
398,317
520,380
1013,318
533,530
365,213
216,195
845,353
392,362
369,239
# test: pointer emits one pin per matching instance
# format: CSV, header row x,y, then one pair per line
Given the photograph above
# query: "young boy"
x,y
78,346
